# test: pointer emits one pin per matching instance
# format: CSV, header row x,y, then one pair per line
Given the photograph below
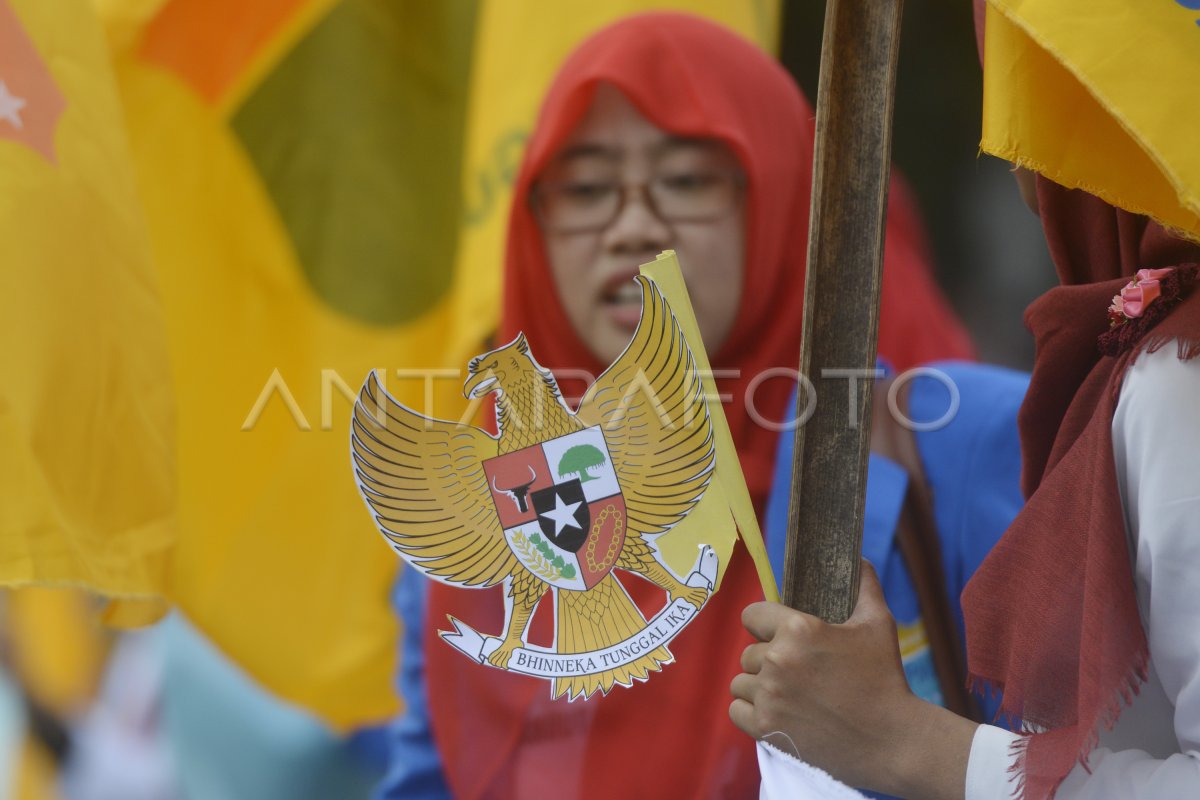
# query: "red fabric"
x,y
1051,615
500,735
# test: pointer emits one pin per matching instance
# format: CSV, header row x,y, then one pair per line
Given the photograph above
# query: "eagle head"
x,y
490,371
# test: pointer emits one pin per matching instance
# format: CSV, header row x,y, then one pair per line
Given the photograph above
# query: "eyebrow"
x,y
686,141
597,150
588,150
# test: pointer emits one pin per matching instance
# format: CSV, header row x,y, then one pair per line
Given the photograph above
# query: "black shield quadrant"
x,y
562,513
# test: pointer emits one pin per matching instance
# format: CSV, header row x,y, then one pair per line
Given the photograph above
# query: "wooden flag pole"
x,y
841,305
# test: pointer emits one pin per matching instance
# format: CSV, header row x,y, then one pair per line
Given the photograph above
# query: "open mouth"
x,y
623,295
621,298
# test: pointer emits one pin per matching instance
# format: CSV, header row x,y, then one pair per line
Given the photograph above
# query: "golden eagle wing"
x,y
423,480
650,405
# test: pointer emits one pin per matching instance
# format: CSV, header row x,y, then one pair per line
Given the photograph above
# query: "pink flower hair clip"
x,y
1144,289
1144,301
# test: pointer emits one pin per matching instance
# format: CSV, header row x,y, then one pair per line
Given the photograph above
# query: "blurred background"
x,y
226,213
988,249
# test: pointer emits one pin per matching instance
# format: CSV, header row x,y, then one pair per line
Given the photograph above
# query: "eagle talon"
x,y
503,654
696,595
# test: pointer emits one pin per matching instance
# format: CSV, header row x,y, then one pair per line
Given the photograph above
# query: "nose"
x,y
637,228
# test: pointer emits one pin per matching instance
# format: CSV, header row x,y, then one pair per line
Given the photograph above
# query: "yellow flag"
x,y
727,497
1100,95
313,218
86,431
297,161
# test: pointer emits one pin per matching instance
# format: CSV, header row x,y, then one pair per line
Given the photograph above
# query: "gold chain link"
x,y
614,544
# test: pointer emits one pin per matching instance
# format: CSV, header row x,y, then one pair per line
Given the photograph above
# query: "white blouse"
x,y
1154,749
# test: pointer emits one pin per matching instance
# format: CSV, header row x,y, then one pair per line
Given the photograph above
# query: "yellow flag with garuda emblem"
x,y
87,460
1099,95
642,478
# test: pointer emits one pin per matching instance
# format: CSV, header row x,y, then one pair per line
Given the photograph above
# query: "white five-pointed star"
x,y
563,515
10,107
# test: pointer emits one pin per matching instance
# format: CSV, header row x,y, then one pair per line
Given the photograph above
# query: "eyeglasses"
x,y
583,206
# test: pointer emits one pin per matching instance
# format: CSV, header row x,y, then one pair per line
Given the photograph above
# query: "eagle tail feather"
x,y
594,620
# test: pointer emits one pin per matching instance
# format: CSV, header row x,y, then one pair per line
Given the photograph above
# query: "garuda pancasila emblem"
x,y
555,502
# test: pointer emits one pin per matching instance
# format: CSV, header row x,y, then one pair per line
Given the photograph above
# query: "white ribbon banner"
x,y
542,662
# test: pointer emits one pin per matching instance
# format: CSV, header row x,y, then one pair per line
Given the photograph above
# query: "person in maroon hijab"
x,y
1089,599
661,131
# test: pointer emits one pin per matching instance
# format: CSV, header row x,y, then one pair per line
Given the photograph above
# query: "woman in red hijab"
x,y
661,131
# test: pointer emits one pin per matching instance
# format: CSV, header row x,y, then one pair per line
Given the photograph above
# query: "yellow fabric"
x,y
124,19
1099,95
87,483
277,561
519,45
58,648
727,496
36,776
57,651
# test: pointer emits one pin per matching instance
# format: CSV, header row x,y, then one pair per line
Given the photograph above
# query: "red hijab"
x,y
1052,615
500,735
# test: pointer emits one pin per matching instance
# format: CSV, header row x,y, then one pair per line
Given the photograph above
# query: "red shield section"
x,y
605,539
514,477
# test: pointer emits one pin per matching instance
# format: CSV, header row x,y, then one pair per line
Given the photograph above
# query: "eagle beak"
x,y
480,383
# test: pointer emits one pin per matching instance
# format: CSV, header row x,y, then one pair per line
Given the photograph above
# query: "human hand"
x,y
839,694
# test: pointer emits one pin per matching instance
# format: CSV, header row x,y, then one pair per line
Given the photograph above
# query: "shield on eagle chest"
x,y
561,508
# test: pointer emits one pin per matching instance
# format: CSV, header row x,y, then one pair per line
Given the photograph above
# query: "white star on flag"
x,y
10,107
563,515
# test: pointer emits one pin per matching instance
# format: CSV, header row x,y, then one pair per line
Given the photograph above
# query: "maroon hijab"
x,y
1052,617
